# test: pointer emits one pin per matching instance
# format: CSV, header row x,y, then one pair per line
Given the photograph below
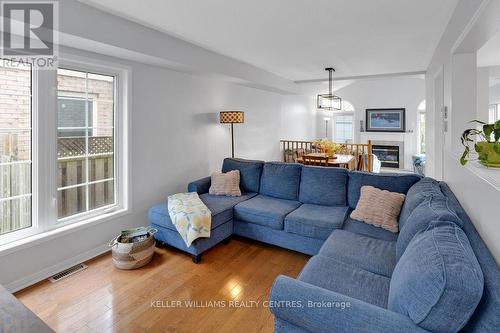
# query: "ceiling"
x,y
489,54
296,39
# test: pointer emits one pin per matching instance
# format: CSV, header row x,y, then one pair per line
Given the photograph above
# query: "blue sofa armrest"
x,y
315,309
200,186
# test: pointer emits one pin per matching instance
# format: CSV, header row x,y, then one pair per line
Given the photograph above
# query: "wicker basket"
x,y
133,255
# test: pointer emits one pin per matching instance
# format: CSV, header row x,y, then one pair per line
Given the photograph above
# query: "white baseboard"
x,y
49,271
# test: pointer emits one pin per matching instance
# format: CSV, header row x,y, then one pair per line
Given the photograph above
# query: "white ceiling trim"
x,y
366,77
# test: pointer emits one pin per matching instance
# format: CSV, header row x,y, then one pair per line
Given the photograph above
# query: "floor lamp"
x,y
326,119
232,117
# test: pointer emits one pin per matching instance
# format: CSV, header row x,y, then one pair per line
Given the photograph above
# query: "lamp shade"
x,y
232,117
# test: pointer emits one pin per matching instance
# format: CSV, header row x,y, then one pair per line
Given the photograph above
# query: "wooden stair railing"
x,y
293,149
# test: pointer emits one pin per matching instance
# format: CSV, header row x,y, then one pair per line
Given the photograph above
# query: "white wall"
x,y
298,118
455,58
386,93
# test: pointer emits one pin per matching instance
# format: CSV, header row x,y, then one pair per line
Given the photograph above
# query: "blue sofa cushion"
x,y
315,221
250,172
391,182
416,195
361,228
220,206
323,186
433,208
485,318
346,279
371,254
281,180
264,210
438,281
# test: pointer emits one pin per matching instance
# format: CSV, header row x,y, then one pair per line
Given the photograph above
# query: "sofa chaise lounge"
x,y
435,275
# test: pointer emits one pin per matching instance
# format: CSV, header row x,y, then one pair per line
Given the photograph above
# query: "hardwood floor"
x,y
105,299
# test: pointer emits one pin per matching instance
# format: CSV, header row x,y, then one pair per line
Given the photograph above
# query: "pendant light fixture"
x,y
329,101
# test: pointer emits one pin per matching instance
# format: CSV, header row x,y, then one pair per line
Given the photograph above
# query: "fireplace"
x,y
388,155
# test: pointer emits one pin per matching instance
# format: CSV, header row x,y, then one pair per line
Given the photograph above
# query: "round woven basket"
x,y
133,255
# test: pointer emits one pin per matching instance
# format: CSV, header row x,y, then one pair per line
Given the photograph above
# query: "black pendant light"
x,y
329,101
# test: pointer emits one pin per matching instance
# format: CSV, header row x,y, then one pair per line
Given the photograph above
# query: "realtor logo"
x,y
29,31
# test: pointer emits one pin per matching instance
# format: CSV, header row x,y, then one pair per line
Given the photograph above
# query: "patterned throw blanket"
x,y
191,217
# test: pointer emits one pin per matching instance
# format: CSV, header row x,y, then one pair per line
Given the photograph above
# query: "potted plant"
x,y
329,147
487,148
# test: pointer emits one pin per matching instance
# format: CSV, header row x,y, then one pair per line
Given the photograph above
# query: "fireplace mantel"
x,y
399,145
404,140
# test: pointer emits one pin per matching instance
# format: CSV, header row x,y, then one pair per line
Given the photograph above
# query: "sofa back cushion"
x,y
391,182
250,172
281,180
438,281
323,186
433,208
416,195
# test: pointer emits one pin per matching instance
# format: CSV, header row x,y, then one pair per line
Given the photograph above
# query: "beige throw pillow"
x,y
226,183
379,208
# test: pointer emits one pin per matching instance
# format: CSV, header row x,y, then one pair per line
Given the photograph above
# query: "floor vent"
x,y
67,272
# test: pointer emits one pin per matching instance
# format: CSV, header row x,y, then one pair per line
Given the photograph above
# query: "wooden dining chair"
x,y
298,154
315,160
360,162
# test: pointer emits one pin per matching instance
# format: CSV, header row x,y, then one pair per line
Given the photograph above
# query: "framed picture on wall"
x,y
385,120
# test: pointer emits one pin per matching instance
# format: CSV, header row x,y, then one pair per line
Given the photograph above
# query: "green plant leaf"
x,y
487,130
497,134
463,159
497,124
477,121
465,136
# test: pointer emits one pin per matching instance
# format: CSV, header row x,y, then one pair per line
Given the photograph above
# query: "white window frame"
x,y
419,132
120,164
34,228
45,223
421,109
494,112
353,128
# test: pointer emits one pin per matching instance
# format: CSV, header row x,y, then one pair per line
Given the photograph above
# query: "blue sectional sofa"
x,y
435,275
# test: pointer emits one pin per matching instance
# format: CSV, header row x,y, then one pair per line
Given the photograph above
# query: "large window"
x,y
15,146
421,127
494,113
421,132
85,149
81,176
343,130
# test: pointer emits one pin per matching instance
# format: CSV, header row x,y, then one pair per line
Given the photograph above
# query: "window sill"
x,y
488,175
58,232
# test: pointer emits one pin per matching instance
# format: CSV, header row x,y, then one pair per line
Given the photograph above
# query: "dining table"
x,y
339,160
